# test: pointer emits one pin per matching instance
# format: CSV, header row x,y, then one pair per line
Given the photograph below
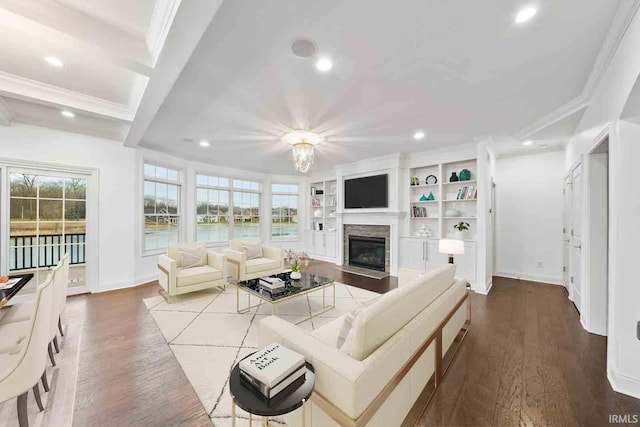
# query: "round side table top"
x,y
249,399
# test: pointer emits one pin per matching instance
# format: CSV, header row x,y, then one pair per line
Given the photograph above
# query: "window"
x,y
212,209
161,207
246,209
284,211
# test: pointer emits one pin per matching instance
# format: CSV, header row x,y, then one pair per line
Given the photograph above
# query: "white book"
x,y
272,286
272,364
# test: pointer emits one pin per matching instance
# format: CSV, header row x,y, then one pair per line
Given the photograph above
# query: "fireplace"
x,y
367,252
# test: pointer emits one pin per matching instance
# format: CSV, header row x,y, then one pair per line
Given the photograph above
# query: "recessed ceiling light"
x,y
418,135
527,142
52,60
204,143
68,114
526,14
324,64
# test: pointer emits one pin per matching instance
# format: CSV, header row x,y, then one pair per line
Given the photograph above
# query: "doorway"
x,y
47,217
597,254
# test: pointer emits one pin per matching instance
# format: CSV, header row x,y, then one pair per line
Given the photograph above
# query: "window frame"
x,y
179,215
280,193
230,215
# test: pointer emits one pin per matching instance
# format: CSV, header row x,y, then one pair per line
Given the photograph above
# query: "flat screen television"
x,y
366,192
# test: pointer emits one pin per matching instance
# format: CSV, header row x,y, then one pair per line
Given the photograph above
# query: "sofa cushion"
x,y
328,333
252,250
344,340
195,275
193,257
173,251
377,323
236,244
261,264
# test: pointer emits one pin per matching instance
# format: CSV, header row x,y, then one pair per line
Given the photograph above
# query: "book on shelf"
x,y
419,212
272,369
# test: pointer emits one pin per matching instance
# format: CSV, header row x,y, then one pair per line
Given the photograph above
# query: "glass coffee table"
x,y
293,289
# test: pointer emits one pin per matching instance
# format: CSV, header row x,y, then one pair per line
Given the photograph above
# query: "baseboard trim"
x,y
531,278
484,291
623,384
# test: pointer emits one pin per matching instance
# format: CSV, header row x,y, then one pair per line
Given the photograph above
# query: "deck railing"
x,y
23,250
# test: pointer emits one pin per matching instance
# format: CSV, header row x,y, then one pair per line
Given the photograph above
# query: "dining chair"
x,y
21,368
61,302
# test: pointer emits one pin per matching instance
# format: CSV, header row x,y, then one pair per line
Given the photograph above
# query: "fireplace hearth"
x,y
367,252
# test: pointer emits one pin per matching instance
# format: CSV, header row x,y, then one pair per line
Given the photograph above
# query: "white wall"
x,y
529,216
623,348
121,260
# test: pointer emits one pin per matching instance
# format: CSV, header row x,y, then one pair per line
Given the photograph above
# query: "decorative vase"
x,y
431,196
460,235
296,275
465,175
317,213
423,198
454,177
452,213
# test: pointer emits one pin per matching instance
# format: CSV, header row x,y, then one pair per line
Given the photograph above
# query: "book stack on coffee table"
x,y
272,285
273,371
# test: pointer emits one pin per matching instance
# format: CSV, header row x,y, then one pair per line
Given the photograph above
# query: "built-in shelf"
x,y
460,200
425,217
420,202
460,217
471,181
424,185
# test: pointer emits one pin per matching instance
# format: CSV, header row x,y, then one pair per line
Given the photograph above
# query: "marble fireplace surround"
x,y
367,230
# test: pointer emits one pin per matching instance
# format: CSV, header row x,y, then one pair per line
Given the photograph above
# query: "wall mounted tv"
x,y
366,192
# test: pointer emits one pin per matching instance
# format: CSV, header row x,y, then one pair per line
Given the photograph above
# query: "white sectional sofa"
x,y
393,353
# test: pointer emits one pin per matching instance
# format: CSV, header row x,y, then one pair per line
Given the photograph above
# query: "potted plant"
x,y
297,261
461,229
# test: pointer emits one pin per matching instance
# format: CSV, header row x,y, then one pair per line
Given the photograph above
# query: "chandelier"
x,y
302,143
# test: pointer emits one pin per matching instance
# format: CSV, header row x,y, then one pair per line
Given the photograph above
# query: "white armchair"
x,y
177,280
241,268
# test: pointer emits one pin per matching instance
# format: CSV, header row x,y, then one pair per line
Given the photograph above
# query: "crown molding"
x,y
159,26
6,115
46,94
619,26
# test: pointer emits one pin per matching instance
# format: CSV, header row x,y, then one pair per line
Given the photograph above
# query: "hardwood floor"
x,y
526,361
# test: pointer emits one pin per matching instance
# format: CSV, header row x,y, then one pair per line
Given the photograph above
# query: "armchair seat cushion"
x,y
261,264
195,275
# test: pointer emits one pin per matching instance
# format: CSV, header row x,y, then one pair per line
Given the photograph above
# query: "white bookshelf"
x,y
323,204
437,211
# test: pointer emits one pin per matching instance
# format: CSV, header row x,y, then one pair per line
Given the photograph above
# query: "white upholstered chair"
x,y
22,366
176,279
269,260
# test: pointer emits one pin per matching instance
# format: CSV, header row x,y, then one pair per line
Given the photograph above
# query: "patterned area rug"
x,y
208,336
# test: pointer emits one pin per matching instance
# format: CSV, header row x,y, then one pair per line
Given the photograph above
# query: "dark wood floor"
x,y
526,361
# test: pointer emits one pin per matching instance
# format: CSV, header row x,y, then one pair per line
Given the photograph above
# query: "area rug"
x,y
208,336
59,401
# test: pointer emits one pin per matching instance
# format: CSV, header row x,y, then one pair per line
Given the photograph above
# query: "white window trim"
x,y
231,189
279,193
178,182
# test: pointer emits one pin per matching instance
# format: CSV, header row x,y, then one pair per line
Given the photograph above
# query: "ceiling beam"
x,y
6,115
189,24
45,94
77,32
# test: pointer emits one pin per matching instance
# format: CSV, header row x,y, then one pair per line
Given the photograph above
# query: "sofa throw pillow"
x,y
345,337
252,251
193,257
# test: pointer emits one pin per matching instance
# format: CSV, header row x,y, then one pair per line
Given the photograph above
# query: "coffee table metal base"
x,y
274,304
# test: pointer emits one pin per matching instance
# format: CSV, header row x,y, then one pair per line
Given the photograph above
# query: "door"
x,y
330,244
576,236
47,217
566,232
435,259
318,244
413,254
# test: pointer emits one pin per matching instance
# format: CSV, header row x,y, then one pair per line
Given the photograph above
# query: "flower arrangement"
x,y
296,260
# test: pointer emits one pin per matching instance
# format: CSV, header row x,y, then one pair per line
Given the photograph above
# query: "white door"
x,y
318,243
576,236
413,254
435,259
330,244
566,233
